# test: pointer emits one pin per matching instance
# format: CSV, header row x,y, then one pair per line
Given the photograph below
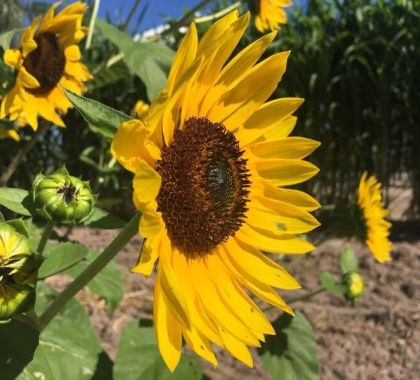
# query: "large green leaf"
x,y
107,284
291,353
16,200
60,257
149,61
68,348
103,219
18,342
100,118
138,358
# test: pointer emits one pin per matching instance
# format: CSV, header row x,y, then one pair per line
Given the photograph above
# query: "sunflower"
x,y
47,61
8,133
211,161
140,109
271,14
376,228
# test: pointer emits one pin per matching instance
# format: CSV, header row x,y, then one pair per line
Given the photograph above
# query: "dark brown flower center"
x,y
68,193
46,63
204,188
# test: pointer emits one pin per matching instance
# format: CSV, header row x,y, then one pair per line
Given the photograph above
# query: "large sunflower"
x,y
47,61
211,160
374,213
271,14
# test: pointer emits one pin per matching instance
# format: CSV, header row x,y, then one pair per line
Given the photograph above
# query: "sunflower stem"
x,y
92,24
44,238
306,296
125,235
17,160
217,15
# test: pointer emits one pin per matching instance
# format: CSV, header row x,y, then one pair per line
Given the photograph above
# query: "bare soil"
x,y
377,339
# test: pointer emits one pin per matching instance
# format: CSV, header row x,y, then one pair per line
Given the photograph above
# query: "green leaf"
x,y
328,282
16,200
291,353
107,284
68,348
60,257
6,38
348,261
149,61
103,219
101,119
18,342
138,358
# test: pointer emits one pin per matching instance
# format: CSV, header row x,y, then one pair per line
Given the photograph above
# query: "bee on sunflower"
x,y
375,226
211,162
47,61
270,14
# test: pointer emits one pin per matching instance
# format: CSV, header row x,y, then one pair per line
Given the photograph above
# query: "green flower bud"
x,y
63,198
18,272
354,284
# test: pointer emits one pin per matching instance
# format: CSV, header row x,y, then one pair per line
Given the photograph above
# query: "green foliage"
x,y
149,61
60,257
348,261
138,358
103,219
100,118
18,343
355,63
291,353
6,38
107,284
16,200
329,283
68,348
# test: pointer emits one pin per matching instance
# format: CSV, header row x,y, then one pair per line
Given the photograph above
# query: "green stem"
x,y
125,235
17,160
217,15
44,238
306,296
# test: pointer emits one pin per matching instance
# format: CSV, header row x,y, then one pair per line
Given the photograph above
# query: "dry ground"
x,y
380,338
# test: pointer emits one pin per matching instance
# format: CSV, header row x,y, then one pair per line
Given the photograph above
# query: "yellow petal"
x,y
290,147
255,266
285,172
236,348
168,330
151,222
184,57
131,145
146,183
72,53
271,242
199,344
27,79
148,257
12,58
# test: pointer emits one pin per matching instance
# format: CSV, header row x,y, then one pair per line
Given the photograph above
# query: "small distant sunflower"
x,y
374,213
47,61
140,109
270,14
211,162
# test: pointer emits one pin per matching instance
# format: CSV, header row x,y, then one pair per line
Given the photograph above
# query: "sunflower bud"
x,y
354,284
63,198
18,272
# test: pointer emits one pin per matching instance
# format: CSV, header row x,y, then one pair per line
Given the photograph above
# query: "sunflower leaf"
x,y
18,344
16,200
138,358
348,261
291,353
100,118
7,37
149,61
328,282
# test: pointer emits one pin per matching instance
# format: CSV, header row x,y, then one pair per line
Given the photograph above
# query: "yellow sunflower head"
x,y
376,228
212,160
47,61
270,14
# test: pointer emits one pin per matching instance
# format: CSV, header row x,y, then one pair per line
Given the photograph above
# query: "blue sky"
x,y
157,10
